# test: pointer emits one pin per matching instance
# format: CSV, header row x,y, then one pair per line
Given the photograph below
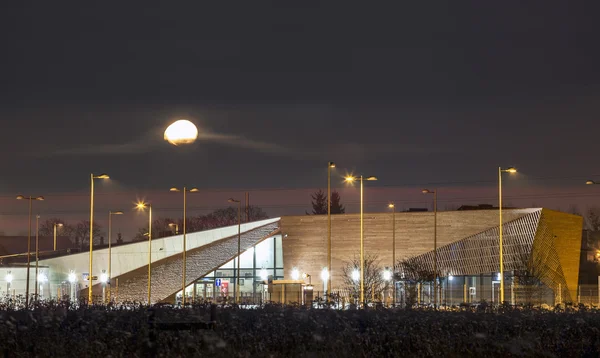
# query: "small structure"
x,y
290,292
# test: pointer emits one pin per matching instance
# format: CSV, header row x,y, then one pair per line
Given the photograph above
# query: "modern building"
x,y
294,249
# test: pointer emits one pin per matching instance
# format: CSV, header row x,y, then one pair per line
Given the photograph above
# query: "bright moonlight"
x,y
181,132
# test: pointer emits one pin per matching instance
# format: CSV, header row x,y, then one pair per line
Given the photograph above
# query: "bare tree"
x,y
593,218
411,272
47,229
374,282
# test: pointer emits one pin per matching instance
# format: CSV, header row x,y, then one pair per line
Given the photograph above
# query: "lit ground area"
x,y
275,331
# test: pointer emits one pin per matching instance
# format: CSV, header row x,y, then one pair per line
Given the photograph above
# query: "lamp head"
x,y
141,206
588,182
371,178
350,179
102,176
426,191
40,198
331,164
232,200
20,197
117,212
511,170
174,189
194,190
172,224
59,224
391,205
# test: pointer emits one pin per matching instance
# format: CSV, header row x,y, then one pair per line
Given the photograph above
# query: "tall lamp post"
x,y
330,166
37,253
92,177
110,214
185,190
435,271
142,206
351,179
237,276
393,207
56,225
510,170
31,199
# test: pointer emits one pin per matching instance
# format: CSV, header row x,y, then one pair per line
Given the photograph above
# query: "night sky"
x,y
437,94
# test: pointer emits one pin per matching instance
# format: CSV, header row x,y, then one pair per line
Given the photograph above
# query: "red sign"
x,y
224,288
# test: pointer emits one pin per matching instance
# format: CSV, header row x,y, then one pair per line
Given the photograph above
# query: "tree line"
x,y
79,233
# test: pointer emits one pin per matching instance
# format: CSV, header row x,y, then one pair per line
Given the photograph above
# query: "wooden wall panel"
x,y
305,245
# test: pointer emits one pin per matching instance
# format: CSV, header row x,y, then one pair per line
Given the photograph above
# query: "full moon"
x,y
181,132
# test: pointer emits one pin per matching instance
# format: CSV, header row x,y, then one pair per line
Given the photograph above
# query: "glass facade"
x,y
257,265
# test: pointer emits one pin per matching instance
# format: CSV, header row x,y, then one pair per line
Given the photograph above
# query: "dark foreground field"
x,y
292,332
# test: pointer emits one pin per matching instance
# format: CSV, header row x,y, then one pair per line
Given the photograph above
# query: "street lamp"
x,y
185,190
92,177
435,272
392,206
142,206
591,182
37,252
355,275
295,274
237,282
72,281
8,278
42,278
55,226
510,170
330,166
104,279
325,277
173,225
31,199
110,214
351,179
181,132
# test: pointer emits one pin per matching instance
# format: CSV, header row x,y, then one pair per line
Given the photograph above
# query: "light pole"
x,y
55,226
174,225
330,166
103,280
142,206
351,179
90,275
31,199
237,276
185,190
37,252
435,272
8,278
387,277
393,207
72,281
110,214
510,170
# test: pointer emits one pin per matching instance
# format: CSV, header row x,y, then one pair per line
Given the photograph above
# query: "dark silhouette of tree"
x,y
374,282
119,238
218,218
82,233
47,229
593,218
319,203
412,272
336,205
